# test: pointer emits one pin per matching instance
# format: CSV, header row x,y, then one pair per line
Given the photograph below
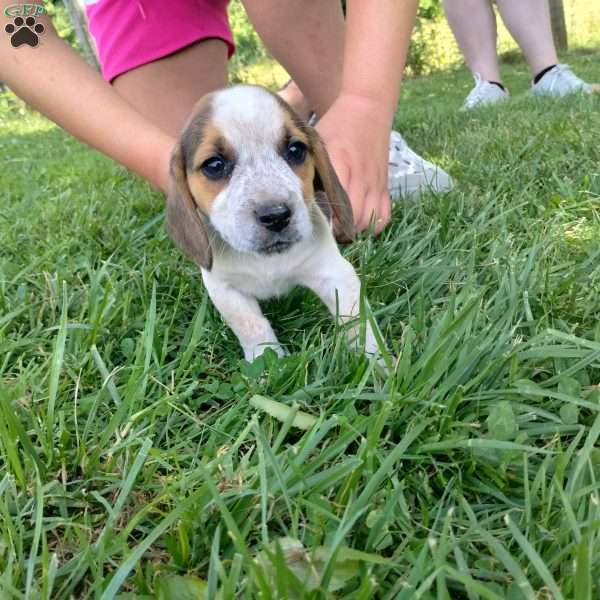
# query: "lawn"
x,y
138,460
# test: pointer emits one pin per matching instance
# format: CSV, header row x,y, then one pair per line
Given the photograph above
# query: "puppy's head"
x,y
248,169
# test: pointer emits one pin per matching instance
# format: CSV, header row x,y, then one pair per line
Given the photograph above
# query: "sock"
x,y
542,73
499,85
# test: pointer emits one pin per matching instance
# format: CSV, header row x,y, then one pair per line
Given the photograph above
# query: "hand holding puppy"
x,y
357,141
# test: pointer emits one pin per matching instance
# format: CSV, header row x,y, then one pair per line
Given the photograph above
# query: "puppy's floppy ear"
x,y
184,224
329,193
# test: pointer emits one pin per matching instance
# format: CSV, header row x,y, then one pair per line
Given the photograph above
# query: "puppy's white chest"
x,y
268,276
262,284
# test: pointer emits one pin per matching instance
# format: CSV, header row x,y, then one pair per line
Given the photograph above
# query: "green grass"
x,y
138,462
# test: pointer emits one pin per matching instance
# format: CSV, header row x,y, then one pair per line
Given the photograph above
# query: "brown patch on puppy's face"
x,y
212,151
185,226
319,180
296,140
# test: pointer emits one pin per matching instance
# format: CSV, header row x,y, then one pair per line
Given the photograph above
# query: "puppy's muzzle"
x,y
275,217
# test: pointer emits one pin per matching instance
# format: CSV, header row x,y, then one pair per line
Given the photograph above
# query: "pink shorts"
x,y
131,33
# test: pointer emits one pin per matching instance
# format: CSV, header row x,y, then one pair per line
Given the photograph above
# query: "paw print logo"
x,y
24,31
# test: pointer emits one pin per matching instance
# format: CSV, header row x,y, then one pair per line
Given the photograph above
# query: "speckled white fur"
x,y
252,122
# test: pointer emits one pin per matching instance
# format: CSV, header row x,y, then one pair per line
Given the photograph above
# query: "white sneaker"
x,y
409,174
560,81
484,92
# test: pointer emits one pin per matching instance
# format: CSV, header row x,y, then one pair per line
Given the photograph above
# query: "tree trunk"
x,y
559,25
79,22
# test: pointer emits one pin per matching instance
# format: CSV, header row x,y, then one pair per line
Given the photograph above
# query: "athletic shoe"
x,y
483,93
409,174
560,81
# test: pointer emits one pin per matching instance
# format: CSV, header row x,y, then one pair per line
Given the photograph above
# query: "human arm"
x,y
56,81
350,74
356,127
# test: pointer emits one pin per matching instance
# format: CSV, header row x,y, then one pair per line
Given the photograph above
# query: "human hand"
x,y
357,140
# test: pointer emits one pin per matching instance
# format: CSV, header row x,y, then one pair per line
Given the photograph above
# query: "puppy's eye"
x,y
295,153
215,167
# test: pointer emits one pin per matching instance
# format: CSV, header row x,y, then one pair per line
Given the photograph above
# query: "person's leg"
x,y
307,38
165,90
473,24
162,57
529,25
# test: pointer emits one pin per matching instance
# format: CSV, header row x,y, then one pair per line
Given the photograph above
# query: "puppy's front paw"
x,y
253,352
369,346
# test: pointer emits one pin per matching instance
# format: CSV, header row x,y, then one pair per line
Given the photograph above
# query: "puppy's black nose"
x,y
275,217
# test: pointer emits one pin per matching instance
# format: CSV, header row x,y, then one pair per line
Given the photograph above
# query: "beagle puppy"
x,y
252,199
